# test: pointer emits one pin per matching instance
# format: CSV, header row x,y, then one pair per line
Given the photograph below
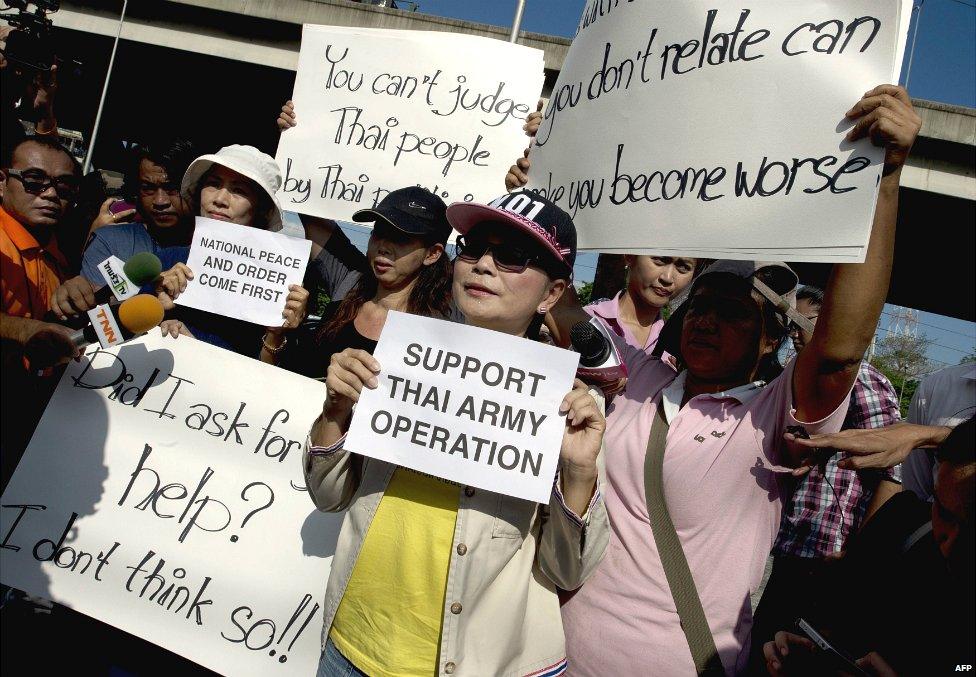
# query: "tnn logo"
x,y
106,323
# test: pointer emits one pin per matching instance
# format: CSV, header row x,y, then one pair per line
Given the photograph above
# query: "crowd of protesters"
x,y
700,509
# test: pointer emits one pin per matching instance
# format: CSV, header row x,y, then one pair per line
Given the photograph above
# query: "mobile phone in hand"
x,y
122,206
834,656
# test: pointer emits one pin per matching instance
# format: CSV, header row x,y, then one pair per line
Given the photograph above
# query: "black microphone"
x,y
600,364
593,347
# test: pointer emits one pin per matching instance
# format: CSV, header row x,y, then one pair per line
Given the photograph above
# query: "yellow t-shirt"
x,y
389,620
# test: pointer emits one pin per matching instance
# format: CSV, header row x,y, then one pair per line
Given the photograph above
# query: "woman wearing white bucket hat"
x,y
236,184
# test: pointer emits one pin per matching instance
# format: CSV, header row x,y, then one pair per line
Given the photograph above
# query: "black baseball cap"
x,y
529,212
414,210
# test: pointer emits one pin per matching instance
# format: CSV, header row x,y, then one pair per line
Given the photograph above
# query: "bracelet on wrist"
x,y
271,349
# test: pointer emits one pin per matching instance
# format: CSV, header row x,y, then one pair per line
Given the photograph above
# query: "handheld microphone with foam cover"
x,y
111,325
587,340
123,280
600,364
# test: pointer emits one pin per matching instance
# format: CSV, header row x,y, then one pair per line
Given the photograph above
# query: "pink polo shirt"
x,y
609,311
721,487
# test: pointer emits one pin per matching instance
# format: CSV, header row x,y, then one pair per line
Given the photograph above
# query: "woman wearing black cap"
x,y
433,578
695,470
407,270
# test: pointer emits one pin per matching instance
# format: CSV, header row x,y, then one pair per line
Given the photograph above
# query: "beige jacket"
x,y
501,612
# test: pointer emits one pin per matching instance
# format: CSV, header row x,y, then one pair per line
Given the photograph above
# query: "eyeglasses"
x,y
149,189
510,258
37,182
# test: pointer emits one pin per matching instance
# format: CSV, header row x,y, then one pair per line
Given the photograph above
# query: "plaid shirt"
x,y
815,521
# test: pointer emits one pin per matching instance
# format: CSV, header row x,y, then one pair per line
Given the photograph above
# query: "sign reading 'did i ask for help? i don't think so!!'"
x,y
465,404
243,272
162,493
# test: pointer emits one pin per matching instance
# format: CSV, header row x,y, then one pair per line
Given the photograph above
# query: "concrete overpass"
x,y
232,60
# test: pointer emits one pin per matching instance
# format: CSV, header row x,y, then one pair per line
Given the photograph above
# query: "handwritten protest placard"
x,y
711,129
466,404
383,109
162,493
243,272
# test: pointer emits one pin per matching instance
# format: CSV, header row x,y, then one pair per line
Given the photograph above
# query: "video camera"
x,y
30,47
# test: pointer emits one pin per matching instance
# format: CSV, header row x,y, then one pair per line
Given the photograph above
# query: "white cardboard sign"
x,y
383,109
243,272
714,129
465,404
169,456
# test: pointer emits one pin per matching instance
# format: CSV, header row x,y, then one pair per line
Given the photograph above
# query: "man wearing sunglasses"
x,y
39,182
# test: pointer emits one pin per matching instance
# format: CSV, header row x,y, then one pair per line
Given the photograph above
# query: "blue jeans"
x,y
334,664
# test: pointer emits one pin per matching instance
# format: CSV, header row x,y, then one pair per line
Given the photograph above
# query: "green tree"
x,y
585,293
971,357
903,359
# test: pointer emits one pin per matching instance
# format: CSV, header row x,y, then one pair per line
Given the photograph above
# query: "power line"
x,y
962,2
932,326
930,341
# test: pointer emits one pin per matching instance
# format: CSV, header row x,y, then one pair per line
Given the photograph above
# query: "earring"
x,y
543,310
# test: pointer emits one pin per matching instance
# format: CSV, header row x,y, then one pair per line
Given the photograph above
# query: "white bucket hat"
x,y
247,161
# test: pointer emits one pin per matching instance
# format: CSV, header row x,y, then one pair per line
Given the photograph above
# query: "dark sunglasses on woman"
x,y
508,257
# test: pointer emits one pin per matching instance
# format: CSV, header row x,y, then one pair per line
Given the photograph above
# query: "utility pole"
x,y
517,21
101,103
917,10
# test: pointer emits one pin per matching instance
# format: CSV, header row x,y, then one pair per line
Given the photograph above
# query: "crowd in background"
x,y
782,491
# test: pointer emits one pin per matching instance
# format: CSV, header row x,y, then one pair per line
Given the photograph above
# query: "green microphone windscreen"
x,y
142,268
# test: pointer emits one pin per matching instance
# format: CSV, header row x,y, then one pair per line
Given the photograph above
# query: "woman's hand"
x,y
174,328
296,304
887,116
286,119
349,372
172,283
582,440
518,174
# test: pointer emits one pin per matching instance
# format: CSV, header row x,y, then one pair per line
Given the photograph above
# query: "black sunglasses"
x,y
510,258
384,231
36,182
725,309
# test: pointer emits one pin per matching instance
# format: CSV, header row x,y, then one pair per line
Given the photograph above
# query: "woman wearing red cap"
x,y
433,578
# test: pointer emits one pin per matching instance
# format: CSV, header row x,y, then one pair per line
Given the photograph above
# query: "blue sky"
x,y
942,69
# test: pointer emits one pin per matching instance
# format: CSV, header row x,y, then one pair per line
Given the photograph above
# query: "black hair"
x,y
959,448
814,295
173,155
51,142
430,296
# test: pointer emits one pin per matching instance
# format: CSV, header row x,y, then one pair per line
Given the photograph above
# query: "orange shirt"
x,y
29,273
